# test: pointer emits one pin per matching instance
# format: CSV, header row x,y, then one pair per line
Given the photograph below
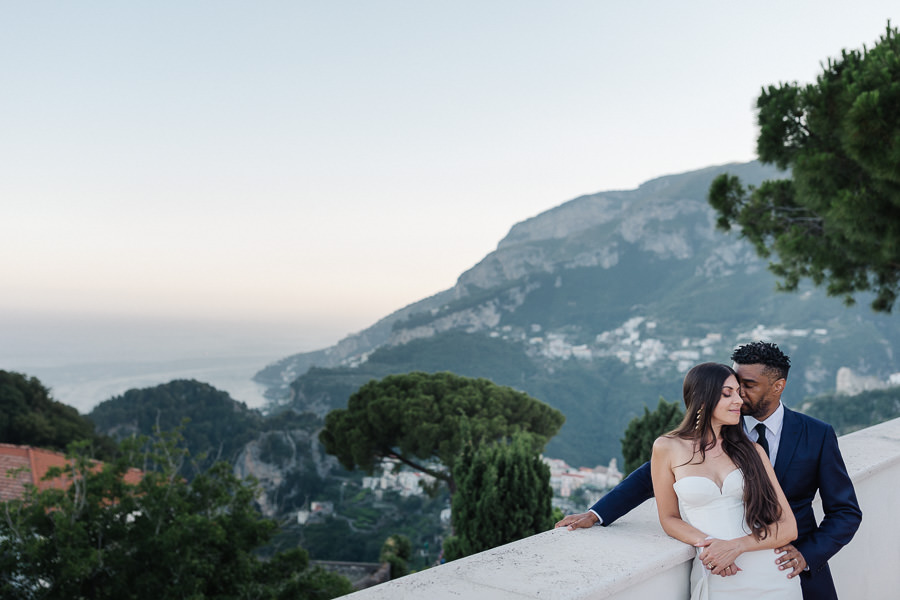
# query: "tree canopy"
x,y
642,431
162,538
421,418
836,222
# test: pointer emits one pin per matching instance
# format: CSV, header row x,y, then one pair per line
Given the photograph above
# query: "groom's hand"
x,y
790,558
579,521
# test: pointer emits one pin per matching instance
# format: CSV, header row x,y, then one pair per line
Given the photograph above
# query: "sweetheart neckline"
x,y
710,479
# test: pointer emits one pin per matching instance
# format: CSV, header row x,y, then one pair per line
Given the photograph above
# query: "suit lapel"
x,y
787,445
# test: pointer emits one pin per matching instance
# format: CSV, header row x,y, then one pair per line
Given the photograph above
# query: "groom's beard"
x,y
761,408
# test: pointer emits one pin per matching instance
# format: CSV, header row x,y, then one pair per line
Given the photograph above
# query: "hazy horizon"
x,y
85,360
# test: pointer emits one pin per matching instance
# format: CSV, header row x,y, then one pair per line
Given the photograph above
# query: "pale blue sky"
x,y
334,161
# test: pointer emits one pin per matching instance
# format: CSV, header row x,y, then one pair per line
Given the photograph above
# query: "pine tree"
x,y
423,418
836,222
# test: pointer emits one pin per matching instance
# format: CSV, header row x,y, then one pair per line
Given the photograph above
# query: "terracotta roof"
x,y
24,465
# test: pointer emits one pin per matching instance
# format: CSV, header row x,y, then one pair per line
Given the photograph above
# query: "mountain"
x,y
598,307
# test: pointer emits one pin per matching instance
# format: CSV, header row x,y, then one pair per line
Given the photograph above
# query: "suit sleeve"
x,y
630,493
842,514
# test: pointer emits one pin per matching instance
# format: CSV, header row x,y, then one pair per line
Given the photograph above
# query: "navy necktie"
x,y
762,441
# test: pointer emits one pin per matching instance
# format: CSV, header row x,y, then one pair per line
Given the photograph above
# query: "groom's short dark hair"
x,y
763,353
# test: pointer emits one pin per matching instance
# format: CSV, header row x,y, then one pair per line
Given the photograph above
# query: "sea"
x,y
85,360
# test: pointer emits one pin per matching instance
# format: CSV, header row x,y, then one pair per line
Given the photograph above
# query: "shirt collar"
x,y
773,423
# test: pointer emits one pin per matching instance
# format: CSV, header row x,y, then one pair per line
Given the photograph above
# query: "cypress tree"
x,y
642,431
503,495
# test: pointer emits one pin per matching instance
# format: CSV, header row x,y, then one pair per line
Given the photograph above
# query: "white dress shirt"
x,y
773,430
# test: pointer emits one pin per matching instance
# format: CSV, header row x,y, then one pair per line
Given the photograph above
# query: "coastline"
x,y
86,384
85,360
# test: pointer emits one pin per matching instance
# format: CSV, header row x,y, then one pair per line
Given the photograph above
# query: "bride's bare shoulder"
x,y
673,449
668,443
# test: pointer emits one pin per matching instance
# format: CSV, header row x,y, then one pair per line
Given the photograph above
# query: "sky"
x,y
318,165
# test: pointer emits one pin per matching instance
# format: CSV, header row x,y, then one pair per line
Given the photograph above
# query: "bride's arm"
x,y
666,499
783,531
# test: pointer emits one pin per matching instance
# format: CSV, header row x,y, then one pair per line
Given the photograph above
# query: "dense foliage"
x,y
217,424
29,416
422,418
852,413
162,538
837,221
503,495
637,444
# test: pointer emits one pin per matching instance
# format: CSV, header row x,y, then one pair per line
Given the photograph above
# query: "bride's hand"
x,y
718,555
730,570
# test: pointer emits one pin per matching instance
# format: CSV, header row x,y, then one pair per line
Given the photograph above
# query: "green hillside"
x,y
217,426
29,416
852,413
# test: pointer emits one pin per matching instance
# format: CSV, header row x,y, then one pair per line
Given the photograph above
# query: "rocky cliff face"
x,y
297,451
611,297
849,383
667,218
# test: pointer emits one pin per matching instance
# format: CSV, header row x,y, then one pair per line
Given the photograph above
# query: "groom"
x,y
805,455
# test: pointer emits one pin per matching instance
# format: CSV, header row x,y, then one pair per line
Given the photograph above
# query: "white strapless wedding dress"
x,y
720,514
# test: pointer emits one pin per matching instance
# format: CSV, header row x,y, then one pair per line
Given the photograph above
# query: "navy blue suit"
x,y
808,460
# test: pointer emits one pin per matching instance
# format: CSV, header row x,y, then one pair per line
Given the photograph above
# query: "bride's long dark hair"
x,y
702,391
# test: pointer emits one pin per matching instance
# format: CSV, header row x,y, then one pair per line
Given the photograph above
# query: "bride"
x,y
716,490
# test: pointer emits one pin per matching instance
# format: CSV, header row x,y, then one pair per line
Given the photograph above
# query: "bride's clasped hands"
x,y
719,555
